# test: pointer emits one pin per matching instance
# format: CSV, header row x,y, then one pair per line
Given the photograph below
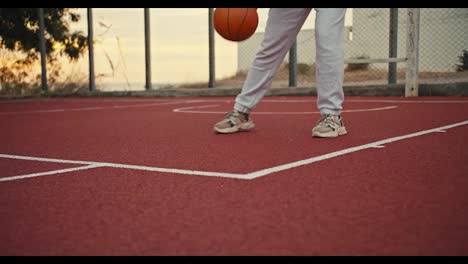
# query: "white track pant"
x,y
281,30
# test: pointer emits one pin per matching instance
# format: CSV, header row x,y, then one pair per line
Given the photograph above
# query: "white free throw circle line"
x,y
188,110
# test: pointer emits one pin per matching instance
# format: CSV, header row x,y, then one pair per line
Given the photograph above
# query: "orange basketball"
x,y
235,24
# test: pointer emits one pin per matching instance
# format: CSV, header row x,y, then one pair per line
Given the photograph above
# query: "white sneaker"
x,y
233,122
329,126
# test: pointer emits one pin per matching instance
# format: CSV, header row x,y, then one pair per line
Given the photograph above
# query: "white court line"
x,y
85,99
7,156
176,171
404,102
247,176
313,99
182,109
187,110
291,165
94,108
369,101
32,175
215,100
127,166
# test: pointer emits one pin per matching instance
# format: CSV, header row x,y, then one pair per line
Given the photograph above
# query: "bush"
x,y
302,68
358,66
463,59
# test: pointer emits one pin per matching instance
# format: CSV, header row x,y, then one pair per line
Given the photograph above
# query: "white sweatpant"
x,y
282,27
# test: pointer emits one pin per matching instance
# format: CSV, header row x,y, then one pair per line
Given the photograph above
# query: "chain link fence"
x,y
366,36
372,36
443,47
369,38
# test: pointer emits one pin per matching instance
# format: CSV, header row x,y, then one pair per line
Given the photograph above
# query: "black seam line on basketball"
x,y
243,20
228,25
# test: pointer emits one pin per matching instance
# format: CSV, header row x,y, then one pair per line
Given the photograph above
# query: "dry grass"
x,y
307,77
17,78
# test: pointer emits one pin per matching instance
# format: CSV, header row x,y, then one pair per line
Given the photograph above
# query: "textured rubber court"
x,y
148,176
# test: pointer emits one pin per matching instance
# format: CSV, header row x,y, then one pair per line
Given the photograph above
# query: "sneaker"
x,y
329,126
233,122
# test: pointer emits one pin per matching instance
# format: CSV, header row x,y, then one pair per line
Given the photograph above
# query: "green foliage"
x,y
19,46
19,32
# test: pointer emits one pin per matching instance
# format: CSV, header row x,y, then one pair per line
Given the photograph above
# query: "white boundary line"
x,y
166,102
187,110
94,108
377,144
313,100
127,166
372,101
84,99
7,156
11,178
252,175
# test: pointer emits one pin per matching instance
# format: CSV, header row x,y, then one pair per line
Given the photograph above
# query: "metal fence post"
x,y
393,45
92,85
148,84
412,53
42,50
212,82
293,65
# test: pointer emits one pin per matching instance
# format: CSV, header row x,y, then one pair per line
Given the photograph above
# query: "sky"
x,y
179,45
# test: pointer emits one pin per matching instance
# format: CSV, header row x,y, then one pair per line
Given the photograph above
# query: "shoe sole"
x,y
239,128
340,132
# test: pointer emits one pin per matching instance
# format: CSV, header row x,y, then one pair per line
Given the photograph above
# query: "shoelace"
x,y
233,117
327,120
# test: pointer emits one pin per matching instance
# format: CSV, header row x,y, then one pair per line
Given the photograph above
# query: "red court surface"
x,y
147,176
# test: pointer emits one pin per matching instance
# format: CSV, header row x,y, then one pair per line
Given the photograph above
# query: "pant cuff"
x,y
330,112
241,108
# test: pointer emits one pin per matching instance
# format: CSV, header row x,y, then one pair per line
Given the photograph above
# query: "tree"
x,y
19,32
19,46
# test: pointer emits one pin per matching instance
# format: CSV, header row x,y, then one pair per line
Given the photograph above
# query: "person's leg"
x,y
282,27
329,37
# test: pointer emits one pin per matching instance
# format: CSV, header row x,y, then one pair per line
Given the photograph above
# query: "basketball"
x,y
235,24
